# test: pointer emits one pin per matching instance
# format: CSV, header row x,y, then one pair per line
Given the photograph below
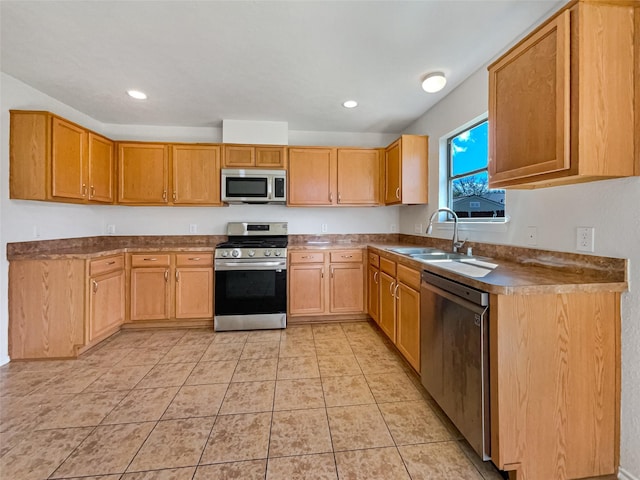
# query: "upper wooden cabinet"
x,y
334,176
406,170
168,174
259,156
561,102
143,173
196,174
56,160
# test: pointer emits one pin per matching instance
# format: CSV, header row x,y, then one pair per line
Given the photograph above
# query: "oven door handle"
x,y
251,266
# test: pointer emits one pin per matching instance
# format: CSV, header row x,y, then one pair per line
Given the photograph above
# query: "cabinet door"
x,y
196,174
393,174
150,293
306,289
358,176
68,160
271,157
312,176
346,288
408,335
143,173
529,106
106,304
374,293
239,156
194,292
388,306
101,169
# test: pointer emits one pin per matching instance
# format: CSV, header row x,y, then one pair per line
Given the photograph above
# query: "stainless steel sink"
x,y
411,251
438,255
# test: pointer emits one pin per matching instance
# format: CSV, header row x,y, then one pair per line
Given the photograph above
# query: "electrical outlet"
x,y
324,227
111,229
193,228
532,235
417,228
394,228
585,239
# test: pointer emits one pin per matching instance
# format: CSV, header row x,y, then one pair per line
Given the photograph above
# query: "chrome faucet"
x,y
455,243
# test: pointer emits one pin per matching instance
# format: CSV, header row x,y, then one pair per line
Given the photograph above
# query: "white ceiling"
x,y
294,61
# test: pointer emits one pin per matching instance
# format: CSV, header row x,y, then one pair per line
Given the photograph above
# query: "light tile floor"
x,y
310,402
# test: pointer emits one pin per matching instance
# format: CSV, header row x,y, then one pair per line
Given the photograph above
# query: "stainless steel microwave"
x,y
254,186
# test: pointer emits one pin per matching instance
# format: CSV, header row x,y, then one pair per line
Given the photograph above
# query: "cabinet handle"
x,y
322,273
93,192
347,256
391,288
154,259
166,275
332,270
339,197
194,258
95,286
395,290
375,277
164,195
84,189
398,193
177,276
174,196
306,256
330,196
112,262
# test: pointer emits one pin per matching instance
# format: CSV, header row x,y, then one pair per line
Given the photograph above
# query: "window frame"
x,y
450,178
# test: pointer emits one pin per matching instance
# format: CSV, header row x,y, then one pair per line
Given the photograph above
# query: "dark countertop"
x,y
519,271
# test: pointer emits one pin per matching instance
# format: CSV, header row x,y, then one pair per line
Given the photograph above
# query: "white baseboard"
x,y
624,475
5,359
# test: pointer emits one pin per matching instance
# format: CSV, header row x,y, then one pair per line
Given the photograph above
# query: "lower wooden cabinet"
x,y
60,307
326,282
373,287
171,286
398,296
106,297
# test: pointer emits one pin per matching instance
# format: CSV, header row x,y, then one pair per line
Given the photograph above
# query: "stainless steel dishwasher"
x,y
454,347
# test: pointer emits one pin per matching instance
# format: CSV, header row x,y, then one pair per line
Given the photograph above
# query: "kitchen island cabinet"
x,y
561,102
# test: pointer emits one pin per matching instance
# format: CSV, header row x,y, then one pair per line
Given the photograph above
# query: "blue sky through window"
x,y
470,149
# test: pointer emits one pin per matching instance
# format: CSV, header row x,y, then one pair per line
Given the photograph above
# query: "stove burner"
x,y
244,242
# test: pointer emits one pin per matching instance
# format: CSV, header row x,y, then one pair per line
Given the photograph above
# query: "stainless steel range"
x,y
251,277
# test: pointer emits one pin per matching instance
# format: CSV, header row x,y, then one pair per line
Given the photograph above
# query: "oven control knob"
x,y
225,253
267,253
278,253
251,253
236,252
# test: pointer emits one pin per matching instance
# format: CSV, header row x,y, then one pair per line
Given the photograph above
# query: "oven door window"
x,y
238,187
246,292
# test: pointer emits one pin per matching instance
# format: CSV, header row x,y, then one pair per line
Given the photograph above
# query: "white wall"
x,y
610,206
27,220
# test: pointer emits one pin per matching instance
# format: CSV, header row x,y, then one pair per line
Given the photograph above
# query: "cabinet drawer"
x,y
106,265
306,257
388,266
409,277
374,259
194,259
150,260
346,256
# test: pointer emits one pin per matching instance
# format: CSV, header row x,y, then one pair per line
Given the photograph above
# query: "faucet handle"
x,y
458,244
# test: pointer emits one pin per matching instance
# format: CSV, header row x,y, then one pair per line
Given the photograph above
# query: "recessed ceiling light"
x,y
350,104
434,82
137,94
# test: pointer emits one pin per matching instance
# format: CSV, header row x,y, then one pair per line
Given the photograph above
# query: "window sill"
x,y
479,225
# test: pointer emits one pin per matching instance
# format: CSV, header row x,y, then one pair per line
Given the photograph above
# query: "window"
x,y
468,177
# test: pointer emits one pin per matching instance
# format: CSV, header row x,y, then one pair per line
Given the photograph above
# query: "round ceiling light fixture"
x,y
434,82
137,94
350,104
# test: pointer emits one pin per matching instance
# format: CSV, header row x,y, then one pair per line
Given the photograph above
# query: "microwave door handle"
x,y
270,182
